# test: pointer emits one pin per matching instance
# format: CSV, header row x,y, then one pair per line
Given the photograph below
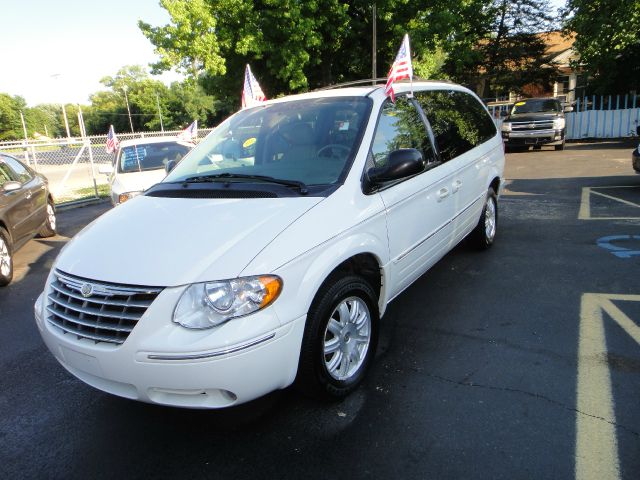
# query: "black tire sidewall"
x,y
5,280
313,373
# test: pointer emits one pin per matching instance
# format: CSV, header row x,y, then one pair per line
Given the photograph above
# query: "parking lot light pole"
x,y
126,99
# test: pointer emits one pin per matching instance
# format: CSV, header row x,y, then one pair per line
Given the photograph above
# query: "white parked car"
x,y
140,163
269,254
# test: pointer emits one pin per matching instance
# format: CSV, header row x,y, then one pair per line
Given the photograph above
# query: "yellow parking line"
x,y
596,441
585,204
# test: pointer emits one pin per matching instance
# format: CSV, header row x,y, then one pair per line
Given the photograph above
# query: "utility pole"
x,y
159,112
374,66
126,99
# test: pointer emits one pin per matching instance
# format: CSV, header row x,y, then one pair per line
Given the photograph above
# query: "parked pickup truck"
x,y
535,122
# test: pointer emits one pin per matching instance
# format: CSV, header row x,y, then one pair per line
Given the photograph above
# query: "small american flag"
x,y
252,94
112,141
189,134
400,69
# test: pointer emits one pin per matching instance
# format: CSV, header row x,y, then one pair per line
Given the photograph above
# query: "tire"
x,y
50,225
484,234
559,147
324,371
6,259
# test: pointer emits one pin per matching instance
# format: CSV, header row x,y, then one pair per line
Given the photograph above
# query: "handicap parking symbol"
x,y
608,243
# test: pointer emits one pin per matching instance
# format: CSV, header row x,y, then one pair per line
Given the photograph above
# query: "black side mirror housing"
x,y
401,163
170,165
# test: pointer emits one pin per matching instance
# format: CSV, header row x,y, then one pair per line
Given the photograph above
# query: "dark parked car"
x,y
535,122
26,210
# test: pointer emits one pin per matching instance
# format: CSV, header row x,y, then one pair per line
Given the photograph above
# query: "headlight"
x,y
205,305
558,123
506,126
123,197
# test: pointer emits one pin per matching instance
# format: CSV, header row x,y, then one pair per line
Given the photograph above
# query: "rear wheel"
x,y
6,259
340,338
483,236
50,225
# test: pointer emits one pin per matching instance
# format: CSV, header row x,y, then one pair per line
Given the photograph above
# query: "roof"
x,y
367,90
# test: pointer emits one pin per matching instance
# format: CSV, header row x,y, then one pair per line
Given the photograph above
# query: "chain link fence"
x,y
71,164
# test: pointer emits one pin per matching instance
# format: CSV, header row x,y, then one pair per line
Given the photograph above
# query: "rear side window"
x,y
21,172
459,121
399,126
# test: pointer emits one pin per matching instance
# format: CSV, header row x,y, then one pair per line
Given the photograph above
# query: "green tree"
x,y
10,123
608,41
45,119
509,51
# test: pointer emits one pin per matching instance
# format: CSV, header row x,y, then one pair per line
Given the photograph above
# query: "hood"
x,y
168,242
137,181
531,117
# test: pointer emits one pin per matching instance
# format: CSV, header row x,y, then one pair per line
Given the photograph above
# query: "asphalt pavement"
x,y
519,362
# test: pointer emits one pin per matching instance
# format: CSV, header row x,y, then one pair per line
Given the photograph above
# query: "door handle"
x,y
456,185
443,193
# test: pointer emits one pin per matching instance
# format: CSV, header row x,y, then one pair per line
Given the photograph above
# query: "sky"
x,y
54,51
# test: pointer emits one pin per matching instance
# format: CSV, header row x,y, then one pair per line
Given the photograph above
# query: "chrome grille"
x,y
97,311
534,125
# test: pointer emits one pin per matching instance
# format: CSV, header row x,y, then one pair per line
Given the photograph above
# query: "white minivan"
x,y
141,163
269,254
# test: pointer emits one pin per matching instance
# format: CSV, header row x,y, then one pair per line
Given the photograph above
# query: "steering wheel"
x,y
335,151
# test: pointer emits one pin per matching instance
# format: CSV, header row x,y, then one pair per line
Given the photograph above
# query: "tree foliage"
x,y
607,41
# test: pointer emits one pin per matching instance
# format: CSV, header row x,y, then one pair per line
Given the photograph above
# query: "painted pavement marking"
x,y
585,203
596,440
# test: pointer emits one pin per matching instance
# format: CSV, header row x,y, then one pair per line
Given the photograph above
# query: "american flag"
x,y
400,69
112,141
189,134
252,94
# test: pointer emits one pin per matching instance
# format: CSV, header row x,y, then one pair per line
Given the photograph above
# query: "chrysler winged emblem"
x,y
86,290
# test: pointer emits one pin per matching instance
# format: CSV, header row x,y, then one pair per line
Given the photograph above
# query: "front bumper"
x,y
533,137
163,363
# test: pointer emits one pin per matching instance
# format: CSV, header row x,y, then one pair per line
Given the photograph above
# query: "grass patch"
x,y
85,193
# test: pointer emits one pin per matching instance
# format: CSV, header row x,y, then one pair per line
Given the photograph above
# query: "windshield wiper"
x,y
300,186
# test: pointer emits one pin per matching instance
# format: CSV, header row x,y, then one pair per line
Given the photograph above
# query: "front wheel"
x,y
483,236
340,338
6,259
50,224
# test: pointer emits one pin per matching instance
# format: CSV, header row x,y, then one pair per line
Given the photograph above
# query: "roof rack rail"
x,y
374,82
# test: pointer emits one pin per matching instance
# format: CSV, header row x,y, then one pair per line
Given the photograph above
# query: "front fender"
x,y
304,275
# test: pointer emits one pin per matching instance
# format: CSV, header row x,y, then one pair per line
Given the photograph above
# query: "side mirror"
x,y
105,169
568,109
170,165
11,186
401,163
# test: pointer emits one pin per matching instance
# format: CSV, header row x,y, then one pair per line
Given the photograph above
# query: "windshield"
x,y
310,141
150,156
549,105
